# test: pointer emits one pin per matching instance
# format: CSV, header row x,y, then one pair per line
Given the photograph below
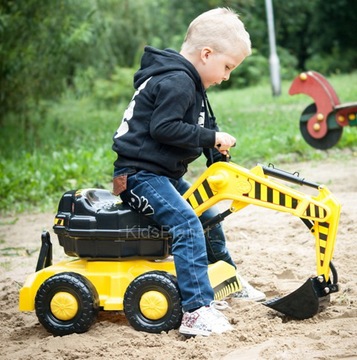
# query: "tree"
x,y
40,45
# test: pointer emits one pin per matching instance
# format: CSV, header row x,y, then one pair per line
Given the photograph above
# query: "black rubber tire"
x,y
157,281
331,138
80,289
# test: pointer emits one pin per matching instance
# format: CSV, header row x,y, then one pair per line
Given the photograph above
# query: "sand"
x,y
274,251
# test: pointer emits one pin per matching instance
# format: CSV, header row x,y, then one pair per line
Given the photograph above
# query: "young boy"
x,y
167,125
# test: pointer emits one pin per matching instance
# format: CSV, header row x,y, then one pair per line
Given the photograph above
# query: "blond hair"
x,y
221,29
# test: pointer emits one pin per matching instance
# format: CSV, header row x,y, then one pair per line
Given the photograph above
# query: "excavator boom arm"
x,y
229,181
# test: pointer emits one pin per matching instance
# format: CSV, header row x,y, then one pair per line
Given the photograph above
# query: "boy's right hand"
x,y
224,142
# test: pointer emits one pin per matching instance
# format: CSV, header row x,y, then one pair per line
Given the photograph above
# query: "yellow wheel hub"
x,y
64,306
153,305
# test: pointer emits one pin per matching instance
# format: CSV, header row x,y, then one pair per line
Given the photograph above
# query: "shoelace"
x,y
219,305
217,317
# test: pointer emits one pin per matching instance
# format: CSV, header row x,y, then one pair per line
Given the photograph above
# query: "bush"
x,y
334,63
43,177
288,64
118,88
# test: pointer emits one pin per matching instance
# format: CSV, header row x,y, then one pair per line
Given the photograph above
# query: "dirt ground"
x,y
273,250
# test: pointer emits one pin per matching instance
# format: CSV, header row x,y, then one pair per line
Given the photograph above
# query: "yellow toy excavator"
x,y
120,260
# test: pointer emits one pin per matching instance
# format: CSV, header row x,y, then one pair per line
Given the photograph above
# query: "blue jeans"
x,y
160,198
215,238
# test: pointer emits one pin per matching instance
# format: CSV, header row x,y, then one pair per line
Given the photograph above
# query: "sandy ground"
x,y
273,250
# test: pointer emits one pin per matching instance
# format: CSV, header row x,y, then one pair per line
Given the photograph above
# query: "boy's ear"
x,y
205,53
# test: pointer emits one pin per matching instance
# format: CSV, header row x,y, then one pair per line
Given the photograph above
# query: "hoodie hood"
x,y
156,62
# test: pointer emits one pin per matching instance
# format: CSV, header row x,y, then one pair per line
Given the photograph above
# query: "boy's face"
x,y
216,67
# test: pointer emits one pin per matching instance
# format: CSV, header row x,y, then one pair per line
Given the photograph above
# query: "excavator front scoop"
x,y
304,302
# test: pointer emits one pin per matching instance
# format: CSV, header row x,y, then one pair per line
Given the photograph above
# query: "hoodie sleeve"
x,y
174,120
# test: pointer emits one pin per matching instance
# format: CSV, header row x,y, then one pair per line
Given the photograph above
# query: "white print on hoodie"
x,y
128,113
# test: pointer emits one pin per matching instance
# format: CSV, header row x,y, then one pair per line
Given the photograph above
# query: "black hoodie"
x,y
167,123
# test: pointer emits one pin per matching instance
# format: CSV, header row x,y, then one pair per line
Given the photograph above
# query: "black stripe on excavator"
x,y
226,288
314,211
59,222
323,238
281,199
198,196
257,191
270,196
205,189
308,211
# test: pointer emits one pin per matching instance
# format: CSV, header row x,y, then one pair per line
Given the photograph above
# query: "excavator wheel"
x,y
328,141
67,303
152,302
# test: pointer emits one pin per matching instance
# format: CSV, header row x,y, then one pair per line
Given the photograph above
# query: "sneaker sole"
x,y
256,299
184,330
188,332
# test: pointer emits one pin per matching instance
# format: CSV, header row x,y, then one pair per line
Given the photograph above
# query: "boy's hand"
x,y
224,142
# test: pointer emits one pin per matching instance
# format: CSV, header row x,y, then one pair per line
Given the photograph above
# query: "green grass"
x,y
69,146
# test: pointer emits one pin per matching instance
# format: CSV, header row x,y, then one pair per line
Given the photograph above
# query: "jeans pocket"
x,y
120,179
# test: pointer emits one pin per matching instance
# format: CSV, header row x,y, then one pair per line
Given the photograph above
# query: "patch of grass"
x,y
6,265
9,222
16,251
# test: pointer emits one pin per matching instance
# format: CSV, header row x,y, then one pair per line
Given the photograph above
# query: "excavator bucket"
x,y
304,302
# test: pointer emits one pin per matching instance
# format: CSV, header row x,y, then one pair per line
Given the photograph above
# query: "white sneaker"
x,y
205,320
248,292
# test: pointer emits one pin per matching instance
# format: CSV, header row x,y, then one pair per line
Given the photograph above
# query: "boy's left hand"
x,y
224,142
